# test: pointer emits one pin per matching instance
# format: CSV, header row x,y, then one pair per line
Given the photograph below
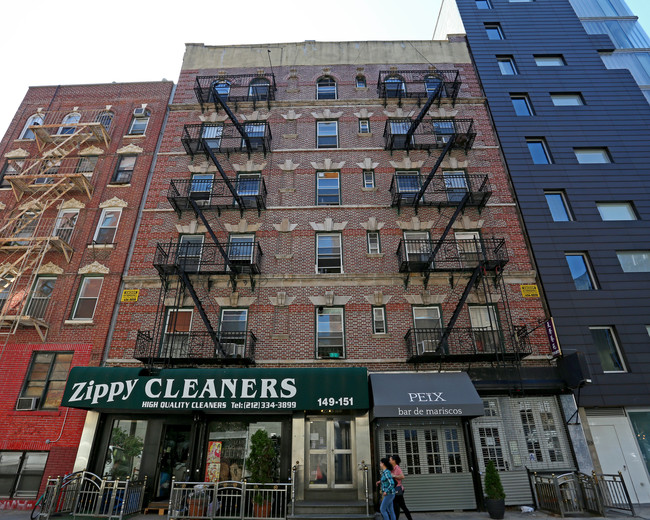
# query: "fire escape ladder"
x,y
233,118
233,191
231,267
425,184
435,95
199,306
452,321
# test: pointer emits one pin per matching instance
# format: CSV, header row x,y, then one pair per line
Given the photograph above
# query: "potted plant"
x,y
494,495
261,464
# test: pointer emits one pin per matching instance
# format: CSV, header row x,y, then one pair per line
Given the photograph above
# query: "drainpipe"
x,y
129,256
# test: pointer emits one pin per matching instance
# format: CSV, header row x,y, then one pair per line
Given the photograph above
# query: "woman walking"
x,y
398,475
387,490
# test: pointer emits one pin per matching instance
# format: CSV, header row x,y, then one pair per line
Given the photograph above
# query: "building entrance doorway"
x,y
330,453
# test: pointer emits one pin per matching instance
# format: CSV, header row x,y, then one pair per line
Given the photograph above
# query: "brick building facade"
x,y
304,221
75,163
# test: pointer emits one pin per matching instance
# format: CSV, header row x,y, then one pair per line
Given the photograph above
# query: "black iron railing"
x,y
207,258
225,138
463,342
195,347
429,135
235,88
417,84
214,193
453,254
330,347
443,190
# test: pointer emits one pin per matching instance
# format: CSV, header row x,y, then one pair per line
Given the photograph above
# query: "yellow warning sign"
x,y
130,295
529,291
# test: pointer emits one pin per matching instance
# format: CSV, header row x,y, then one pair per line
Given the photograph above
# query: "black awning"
x,y
424,395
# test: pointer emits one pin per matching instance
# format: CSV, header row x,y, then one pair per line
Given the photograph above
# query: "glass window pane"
x,y
521,105
9,467
592,155
507,66
538,152
605,343
493,32
125,448
616,211
634,261
557,206
91,287
549,61
580,272
641,424
567,100
61,367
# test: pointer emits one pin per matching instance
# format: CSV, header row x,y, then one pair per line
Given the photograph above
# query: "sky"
x,y
82,41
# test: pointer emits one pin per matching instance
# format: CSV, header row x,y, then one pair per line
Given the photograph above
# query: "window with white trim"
x,y
374,245
175,340
368,178
39,296
327,134
71,119
379,320
139,123
326,88
328,253
328,189
35,120
87,298
364,126
233,332
107,226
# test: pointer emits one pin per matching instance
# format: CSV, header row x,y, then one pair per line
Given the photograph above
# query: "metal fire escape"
x,y
39,183
185,268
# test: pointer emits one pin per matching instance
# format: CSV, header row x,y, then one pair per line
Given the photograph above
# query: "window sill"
x,y
5,188
374,255
361,89
78,322
283,257
364,134
379,336
101,246
290,136
129,136
369,189
119,185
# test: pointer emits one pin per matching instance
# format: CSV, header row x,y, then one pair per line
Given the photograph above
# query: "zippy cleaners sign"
x,y
217,389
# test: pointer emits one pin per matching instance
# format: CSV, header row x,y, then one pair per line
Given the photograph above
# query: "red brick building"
x,y
344,211
75,164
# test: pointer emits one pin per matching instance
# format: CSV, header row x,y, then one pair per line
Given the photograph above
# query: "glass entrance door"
x,y
174,458
329,453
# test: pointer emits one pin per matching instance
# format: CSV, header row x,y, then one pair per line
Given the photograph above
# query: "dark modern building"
x,y
575,138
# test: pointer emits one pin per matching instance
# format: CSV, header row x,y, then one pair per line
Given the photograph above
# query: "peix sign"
x,y
271,390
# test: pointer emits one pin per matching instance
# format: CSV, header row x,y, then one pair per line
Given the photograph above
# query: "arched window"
x,y
35,120
326,88
105,118
395,86
431,83
222,88
361,81
71,119
258,89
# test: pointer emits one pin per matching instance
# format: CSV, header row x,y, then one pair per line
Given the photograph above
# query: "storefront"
x,y
445,433
196,424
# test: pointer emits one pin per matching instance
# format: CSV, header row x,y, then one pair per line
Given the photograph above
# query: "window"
x,y
66,220
581,271
21,473
379,320
483,4
521,104
139,123
201,188
634,261
361,81
105,118
328,189
427,325
368,178
39,296
190,248
70,119
232,332
608,350
240,249
330,334
327,133
45,381
248,187
175,341
84,308
592,155
550,60
616,210
222,88
398,130
87,165
494,31
259,89
538,151
567,99
364,126
326,88
469,247
124,169
431,83
418,248
211,136
374,245
5,289
485,328
7,170
255,132
328,253
455,185
507,65
408,184
24,227
107,225
395,86
443,129
35,120
558,206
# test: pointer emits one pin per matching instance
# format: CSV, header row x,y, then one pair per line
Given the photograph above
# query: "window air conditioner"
x,y
427,346
139,112
443,139
27,403
233,349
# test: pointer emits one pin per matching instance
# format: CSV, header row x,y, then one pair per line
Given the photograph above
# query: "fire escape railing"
x,y
453,255
417,84
430,134
236,88
226,137
447,190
